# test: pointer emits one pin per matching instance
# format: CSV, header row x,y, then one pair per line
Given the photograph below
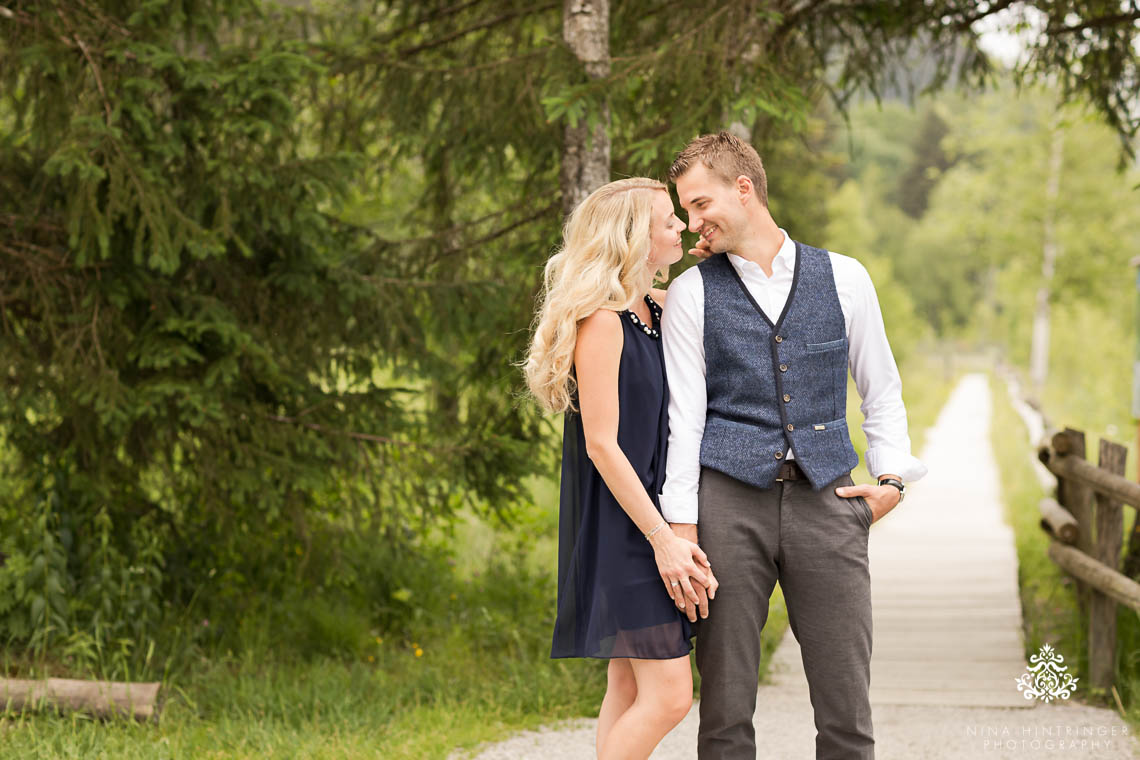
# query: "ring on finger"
x,y
675,583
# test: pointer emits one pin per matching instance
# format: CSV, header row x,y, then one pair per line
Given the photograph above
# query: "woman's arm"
x,y
597,358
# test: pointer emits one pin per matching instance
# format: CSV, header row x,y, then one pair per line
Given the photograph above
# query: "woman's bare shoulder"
x,y
599,335
600,325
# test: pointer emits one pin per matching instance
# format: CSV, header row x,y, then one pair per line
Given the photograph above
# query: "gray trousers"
x,y
815,544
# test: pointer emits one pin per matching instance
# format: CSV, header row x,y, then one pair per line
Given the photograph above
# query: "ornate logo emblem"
x,y
1046,678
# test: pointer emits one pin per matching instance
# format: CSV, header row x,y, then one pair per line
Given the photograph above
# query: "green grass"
x,y
397,708
1048,595
467,674
479,615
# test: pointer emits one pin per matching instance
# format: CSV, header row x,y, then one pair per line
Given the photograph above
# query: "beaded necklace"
x,y
655,312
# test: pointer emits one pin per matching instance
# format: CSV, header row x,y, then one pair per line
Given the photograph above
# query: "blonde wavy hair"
x,y
601,264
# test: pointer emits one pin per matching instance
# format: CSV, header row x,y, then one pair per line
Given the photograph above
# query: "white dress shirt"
x,y
869,358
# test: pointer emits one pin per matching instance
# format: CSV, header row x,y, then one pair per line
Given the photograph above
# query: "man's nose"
x,y
695,223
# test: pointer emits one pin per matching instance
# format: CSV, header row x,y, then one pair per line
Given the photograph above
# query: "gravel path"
x,y
947,636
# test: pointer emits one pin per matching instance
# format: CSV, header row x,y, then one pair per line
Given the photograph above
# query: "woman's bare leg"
x,y
621,690
663,697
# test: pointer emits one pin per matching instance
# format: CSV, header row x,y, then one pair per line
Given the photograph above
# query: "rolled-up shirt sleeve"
x,y
682,335
877,379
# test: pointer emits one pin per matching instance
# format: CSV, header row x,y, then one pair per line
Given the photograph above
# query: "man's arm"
x,y
682,335
876,374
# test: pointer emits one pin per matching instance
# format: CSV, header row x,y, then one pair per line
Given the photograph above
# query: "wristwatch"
x,y
897,484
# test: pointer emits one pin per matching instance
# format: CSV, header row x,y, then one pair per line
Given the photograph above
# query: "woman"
x,y
596,355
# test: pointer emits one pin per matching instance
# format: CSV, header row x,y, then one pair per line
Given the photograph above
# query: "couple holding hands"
x,y
706,454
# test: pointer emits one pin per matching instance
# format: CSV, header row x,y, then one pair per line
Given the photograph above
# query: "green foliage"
x,y
971,261
208,396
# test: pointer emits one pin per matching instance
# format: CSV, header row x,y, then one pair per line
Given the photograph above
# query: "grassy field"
x,y
1048,595
470,666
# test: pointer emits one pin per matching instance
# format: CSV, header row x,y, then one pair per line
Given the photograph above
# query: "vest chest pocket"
x,y
831,345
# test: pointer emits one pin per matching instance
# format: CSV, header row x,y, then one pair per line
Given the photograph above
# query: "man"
x,y
758,340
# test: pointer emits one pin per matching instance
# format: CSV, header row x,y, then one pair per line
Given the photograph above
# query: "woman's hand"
x,y
681,563
702,250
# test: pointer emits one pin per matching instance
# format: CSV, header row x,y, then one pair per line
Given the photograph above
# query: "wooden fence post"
x,y
1108,524
1078,499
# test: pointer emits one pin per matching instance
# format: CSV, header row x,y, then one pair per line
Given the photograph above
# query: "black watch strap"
x,y
892,482
897,484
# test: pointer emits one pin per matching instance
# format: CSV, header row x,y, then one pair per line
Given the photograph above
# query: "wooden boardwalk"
x,y
947,616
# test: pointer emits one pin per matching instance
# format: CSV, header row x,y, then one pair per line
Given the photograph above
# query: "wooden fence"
x,y
1087,526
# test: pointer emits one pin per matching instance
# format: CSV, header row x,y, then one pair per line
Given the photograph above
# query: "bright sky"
x,y
1001,41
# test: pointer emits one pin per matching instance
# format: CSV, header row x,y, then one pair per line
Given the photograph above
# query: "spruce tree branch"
x,y
1095,23
418,283
452,231
363,436
660,51
792,18
22,16
95,334
11,220
489,24
459,70
433,16
502,231
90,62
965,23
59,259
103,18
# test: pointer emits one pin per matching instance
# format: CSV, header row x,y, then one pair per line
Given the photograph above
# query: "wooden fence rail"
x,y
1087,525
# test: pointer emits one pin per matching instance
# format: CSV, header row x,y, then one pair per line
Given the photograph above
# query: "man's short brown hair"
x,y
727,157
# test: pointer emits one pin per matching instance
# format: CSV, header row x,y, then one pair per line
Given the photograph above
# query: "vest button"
x,y
787,398
779,455
779,339
783,367
791,427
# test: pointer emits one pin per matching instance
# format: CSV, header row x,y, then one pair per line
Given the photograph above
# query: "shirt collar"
x,y
785,257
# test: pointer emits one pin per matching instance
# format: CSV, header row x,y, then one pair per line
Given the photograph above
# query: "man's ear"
x,y
744,189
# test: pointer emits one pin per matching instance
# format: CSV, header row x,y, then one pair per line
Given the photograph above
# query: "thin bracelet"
x,y
660,525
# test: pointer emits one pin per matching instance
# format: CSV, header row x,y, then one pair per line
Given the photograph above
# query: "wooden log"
x,y
1119,488
1105,579
1058,521
1061,442
1075,496
1108,523
103,699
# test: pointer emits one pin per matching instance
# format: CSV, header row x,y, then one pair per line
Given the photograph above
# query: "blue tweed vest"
x,y
772,387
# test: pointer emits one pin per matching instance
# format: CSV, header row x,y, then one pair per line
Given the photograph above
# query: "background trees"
x,y
264,268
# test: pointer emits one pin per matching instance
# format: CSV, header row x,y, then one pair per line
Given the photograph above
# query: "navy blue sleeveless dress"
x,y
611,600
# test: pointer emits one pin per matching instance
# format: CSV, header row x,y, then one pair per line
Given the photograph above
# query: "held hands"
x,y
881,499
685,570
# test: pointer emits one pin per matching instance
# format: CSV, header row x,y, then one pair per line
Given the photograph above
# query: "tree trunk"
x,y
737,127
1039,348
586,151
